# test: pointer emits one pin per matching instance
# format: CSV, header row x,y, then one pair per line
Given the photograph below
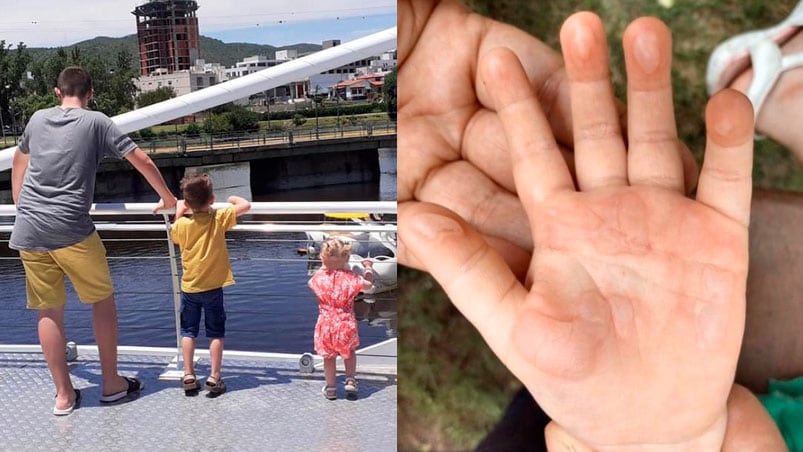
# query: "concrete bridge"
x,y
281,163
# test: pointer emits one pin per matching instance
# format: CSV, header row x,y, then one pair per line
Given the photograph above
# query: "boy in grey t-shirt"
x,y
53,183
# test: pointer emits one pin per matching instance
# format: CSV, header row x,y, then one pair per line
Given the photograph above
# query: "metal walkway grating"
x,y
269,406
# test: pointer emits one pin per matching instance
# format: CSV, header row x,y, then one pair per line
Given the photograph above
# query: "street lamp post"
x,y
267,104
337,102
315,99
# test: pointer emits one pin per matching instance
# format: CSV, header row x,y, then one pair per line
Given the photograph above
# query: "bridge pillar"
x,y
387,174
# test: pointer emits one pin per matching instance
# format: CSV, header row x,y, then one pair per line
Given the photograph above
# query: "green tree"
x,y
147,133
53,68
38,85
75,56
115,91
28,104
242,119
389,93
13,64
154,97
192,130
217,124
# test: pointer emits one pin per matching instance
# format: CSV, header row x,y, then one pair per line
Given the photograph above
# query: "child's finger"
x,y
538,166
474,276
654,157
726,182
600,155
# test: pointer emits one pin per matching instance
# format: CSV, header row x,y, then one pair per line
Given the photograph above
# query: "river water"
x,y
269,308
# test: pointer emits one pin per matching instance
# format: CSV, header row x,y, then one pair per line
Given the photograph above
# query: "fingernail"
x,y
583,40
645,49
433,227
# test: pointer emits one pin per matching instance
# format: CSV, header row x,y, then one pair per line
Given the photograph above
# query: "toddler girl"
x,y
336,331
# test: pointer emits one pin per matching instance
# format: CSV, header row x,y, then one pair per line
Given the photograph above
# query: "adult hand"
x,y
628,328
452,147
453,150
165,204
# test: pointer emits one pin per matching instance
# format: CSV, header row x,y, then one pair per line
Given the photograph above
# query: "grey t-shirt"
x,y
66,146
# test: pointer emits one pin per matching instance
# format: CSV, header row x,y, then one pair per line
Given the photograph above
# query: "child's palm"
x,y
640,291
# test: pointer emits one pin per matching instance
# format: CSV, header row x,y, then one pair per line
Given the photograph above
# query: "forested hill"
x,y
212,50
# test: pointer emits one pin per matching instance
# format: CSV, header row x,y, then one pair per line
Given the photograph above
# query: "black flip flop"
x,y
134,386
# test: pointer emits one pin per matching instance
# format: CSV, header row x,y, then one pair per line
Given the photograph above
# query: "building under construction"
x,y
167,31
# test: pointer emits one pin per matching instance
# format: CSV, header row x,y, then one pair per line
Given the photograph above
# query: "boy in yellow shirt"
x,y
205,271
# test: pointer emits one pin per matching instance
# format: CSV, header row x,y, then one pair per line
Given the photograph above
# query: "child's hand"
x,y
368,263
628,328
182,208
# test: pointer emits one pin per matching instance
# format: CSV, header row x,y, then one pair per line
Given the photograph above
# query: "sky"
x,y
54,23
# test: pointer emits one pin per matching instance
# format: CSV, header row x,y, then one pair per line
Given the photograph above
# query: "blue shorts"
x,y
211,302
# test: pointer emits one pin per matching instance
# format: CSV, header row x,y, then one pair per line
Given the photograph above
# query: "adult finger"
x,y
516,258
491,210
412,18
600,155
485,146
538,167
544,69
472,274
653,153
726,182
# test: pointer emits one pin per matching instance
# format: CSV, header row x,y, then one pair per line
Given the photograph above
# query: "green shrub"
x,y
192,130
299,120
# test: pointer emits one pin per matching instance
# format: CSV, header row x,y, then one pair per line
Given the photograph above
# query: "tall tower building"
x,y
167,31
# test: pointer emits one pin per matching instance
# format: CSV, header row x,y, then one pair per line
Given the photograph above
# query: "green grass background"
x,y
452,389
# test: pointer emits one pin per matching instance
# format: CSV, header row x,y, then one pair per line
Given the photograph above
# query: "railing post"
x,y
174,370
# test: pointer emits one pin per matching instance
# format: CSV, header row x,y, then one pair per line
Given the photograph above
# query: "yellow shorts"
x,y
84,263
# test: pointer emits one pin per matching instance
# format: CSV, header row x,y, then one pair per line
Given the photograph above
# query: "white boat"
x,y
377,244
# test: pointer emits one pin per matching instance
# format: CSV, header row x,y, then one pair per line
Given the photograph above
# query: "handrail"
x,y
266,227
268,208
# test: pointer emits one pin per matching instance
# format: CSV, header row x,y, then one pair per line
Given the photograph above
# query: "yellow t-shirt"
x,y
204,257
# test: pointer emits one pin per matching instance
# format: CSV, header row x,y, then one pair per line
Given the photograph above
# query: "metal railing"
x,y
126,219
206,141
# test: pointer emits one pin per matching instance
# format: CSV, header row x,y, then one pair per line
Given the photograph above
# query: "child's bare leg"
x,y
351,364
216,356
104,323
188,352
53,342
329,370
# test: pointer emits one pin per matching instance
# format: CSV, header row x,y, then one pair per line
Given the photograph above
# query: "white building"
x,y
385,63
201,75
286,55
257,63
251,64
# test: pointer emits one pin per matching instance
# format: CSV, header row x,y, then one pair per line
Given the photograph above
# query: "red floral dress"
x,y
336,330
